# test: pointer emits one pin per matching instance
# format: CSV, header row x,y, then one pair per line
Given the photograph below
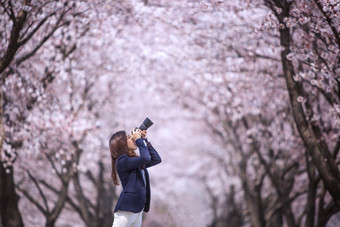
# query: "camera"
x,y
146,124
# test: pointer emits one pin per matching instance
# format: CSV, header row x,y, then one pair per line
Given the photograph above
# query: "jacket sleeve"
x,y
125,162
155,158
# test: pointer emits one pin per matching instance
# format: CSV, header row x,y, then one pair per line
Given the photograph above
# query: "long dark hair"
x,y
118,147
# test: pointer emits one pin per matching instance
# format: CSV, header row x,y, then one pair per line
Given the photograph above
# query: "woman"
x,y
131,169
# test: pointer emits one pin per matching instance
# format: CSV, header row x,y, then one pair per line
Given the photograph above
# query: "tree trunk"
x,y
253,199
255,212
311,198
234,215
50,222
10,215
320,156
289,216
275,219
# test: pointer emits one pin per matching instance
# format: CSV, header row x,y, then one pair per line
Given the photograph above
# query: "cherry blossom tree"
x,y
26,27
69,110
313,98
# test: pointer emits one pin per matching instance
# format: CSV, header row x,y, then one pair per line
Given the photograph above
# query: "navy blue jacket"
x,y
136,194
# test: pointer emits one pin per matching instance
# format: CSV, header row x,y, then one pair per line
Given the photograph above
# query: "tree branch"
x,y
68,199
82,201
34,30
2,126
53,165
9,13
39,189
32,200
13,40
41,43
329,21
336,149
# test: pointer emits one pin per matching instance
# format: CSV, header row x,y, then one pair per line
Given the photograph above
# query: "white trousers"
x,y
127,219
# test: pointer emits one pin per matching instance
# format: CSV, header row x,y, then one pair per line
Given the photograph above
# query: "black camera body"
x,y
146,124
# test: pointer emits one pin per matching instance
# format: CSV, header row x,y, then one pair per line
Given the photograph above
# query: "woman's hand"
x,y
136,134
144,134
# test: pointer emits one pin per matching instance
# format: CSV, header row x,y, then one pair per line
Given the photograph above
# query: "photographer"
x,y
132,172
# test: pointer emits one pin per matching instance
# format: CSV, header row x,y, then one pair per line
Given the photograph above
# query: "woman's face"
x,y
131,144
